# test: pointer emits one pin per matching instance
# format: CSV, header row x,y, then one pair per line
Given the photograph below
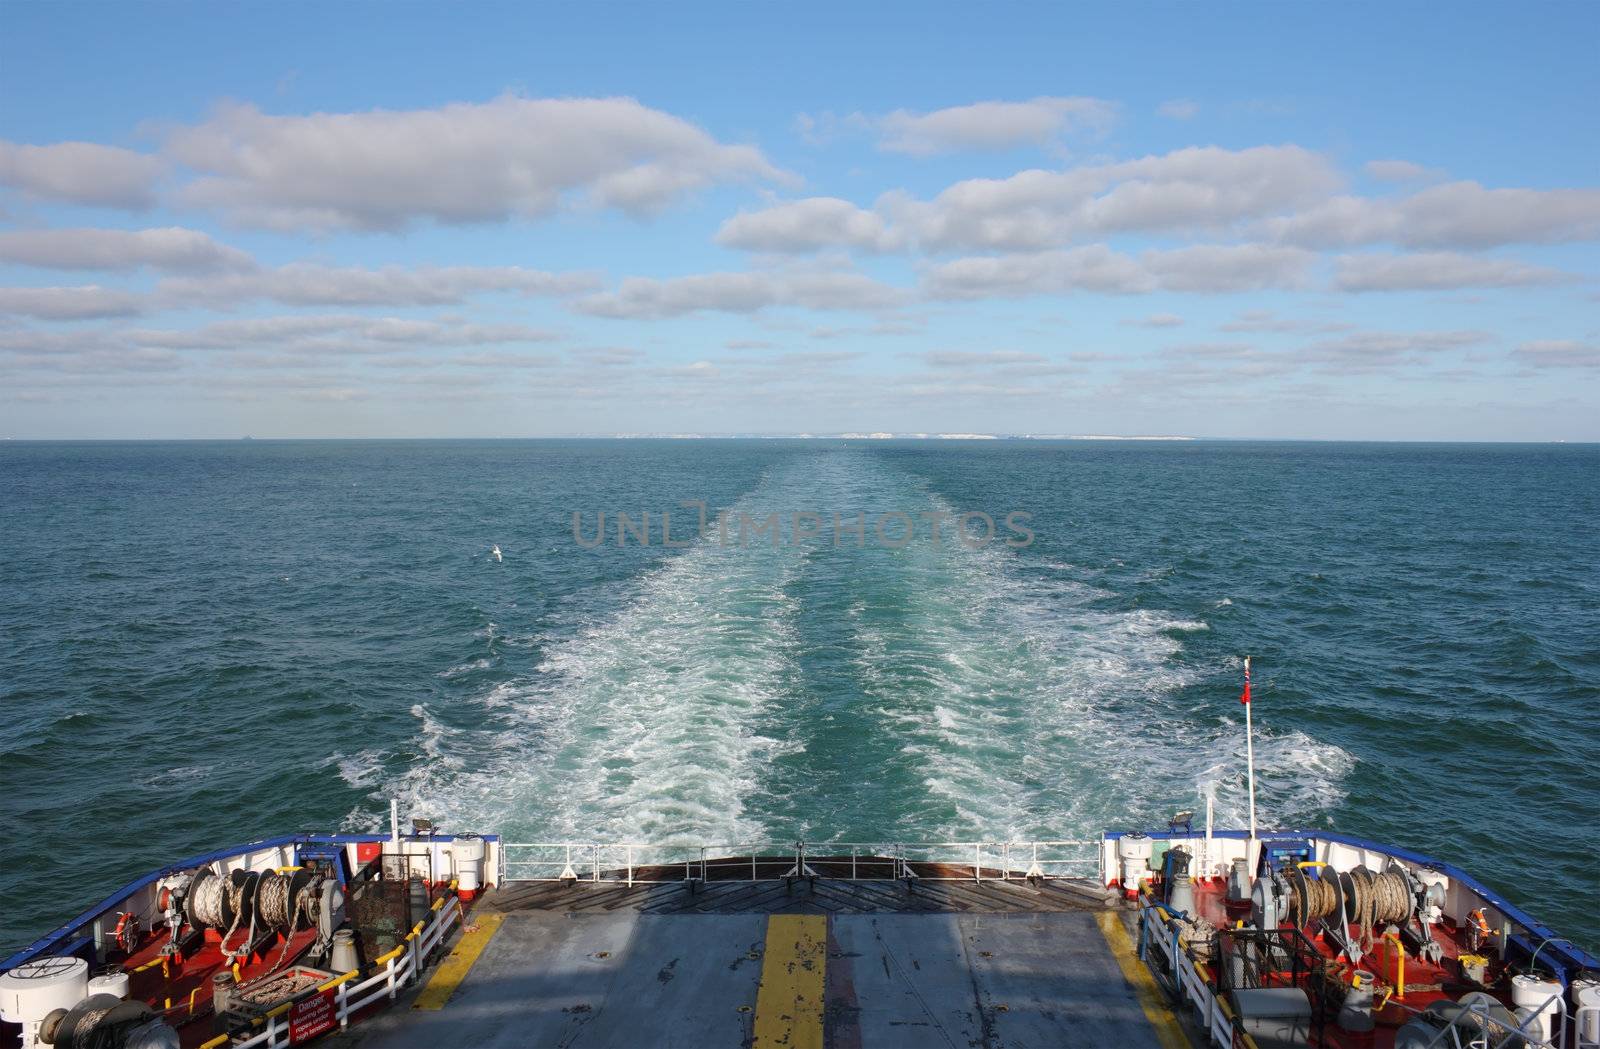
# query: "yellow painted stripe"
x,y
1168,1031
454,968
789,1004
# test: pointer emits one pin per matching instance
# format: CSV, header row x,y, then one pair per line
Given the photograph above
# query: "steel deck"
x,y
830,963
821,896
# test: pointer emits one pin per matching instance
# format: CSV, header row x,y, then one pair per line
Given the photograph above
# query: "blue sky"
x,y
1325,221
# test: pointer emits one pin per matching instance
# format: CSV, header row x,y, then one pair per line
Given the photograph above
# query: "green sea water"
x,y
201,643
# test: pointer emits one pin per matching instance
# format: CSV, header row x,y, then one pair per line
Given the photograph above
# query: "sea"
x,y
202,643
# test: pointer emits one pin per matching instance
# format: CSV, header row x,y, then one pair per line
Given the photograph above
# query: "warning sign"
x,y
313,1016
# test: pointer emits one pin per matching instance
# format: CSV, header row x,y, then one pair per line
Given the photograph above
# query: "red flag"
x,y
1245,699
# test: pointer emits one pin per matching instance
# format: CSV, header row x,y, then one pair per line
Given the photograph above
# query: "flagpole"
x,y
1250,748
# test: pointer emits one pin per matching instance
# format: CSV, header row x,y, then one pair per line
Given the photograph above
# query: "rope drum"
x,y
272,901
1368,900
207,899
287,901
284,902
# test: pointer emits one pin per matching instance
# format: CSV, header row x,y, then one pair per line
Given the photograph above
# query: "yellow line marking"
x,y
1168,1031
789,1003
445,979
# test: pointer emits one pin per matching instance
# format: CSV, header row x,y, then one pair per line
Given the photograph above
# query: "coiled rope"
x,y
272,901
214,897
207,901
273,904
83,1031
1372,899
1313,897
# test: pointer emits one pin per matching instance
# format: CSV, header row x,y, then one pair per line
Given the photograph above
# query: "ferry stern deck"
x,y
808,961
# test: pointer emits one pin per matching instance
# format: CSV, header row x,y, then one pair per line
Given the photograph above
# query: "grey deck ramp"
x,y
992,980
626,979
575,980
822,896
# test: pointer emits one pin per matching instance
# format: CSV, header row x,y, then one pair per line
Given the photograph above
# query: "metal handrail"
x,y
391,972
1495,1034
621,861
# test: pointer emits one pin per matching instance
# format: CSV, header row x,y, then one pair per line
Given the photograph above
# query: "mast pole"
x,y
1250,748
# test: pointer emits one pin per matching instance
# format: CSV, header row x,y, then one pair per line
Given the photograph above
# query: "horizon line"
x,y
880,437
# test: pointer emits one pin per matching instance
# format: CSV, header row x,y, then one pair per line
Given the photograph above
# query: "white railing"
x,y
392,972
1586,1019
635,863
1211,1012
1478,1028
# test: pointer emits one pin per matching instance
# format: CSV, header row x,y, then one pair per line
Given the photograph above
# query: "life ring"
x,y
127,934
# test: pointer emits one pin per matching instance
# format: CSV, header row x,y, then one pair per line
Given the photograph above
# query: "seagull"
x,y
495,553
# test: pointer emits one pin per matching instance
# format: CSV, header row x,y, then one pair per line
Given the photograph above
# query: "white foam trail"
x,y
363,769
466,668
1296,777
1014,703
645,727
1058,716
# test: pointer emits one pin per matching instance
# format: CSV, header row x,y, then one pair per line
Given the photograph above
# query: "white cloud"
x,y
1276,193
172,249
81,173
1398,171
459,163
807,225
991,125
1191,189
350,331
1228,267
1454,215
1356,353
1558,353
1096,268
308,284
1434,271
639,297
1378,350
990,358
85,302
1267,321
1156,320
1178,109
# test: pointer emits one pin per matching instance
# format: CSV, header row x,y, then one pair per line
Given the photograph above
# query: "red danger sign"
x,y
313,1016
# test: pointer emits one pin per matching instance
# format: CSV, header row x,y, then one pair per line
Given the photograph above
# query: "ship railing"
x,y
641,863
1585,1020
1187,979
1190,981
349,994
1477,1027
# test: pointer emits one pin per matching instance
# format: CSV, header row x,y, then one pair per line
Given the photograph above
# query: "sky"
x,y
1325,221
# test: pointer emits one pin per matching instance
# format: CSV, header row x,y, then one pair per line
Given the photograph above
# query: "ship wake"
x,y
859,691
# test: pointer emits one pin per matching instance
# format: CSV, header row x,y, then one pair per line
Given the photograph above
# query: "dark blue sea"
x,y
201,643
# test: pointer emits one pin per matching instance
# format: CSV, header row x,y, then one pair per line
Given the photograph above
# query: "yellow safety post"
x,y
337,980
1400,965
383,959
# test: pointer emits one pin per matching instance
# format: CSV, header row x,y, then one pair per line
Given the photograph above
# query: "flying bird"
x,y
495,553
